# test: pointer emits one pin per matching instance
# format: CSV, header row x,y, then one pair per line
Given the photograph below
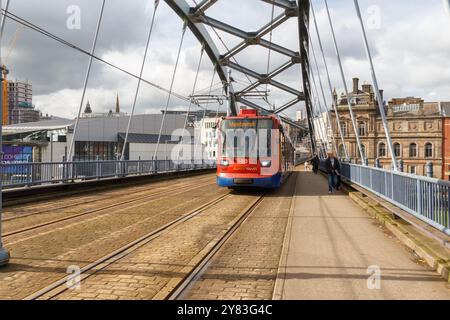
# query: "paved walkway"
x,y
332,244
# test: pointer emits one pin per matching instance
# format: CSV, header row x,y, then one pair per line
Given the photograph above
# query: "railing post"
x,y
155,167
139,166
419,197
97,168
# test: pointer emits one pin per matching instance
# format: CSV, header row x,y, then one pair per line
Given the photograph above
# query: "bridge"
x,y
148,221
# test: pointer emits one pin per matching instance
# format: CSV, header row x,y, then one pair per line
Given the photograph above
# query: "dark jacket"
x,y
332,169
315,161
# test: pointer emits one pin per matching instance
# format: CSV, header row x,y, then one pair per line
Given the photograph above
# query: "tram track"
x,y
170,290
115,195
153,196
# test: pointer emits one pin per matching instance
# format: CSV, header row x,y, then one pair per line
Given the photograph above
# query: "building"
x,y
415,127
208,137
323,130
97,138
20,103
445,107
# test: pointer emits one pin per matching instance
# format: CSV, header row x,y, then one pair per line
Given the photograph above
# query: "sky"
x,y
408,39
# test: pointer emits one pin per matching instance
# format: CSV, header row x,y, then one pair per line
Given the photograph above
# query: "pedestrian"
x,y
315,163
333,168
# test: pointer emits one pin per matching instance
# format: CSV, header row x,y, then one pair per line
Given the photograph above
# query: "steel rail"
x,y
153,196
58,287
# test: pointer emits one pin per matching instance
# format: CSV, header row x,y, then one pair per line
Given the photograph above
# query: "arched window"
x,y
362,129
397,150
382,150
413,150
428,150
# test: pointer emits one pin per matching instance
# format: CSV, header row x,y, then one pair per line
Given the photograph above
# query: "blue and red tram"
x,y
254,151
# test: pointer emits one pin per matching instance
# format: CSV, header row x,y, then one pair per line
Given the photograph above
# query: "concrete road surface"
x,y
335,247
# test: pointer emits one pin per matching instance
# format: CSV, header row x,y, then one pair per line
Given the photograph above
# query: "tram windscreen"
x,y
249,138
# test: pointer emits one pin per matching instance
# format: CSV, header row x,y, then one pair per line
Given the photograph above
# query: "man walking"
x,y
333,168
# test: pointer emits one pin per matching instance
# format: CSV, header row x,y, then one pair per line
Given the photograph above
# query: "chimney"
x,y
355,85
117,104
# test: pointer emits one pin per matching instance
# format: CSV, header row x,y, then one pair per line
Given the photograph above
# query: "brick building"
x,y
445,106
416,129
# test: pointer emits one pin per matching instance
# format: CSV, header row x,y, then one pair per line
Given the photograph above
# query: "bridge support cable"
x,y
2,28
377,89
303,14
327,110
88,72
341,68
183,34
330,86
322,107
139,81
319,130
194,87
4,254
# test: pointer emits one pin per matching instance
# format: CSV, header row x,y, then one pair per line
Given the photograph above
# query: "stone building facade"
x,y
415,126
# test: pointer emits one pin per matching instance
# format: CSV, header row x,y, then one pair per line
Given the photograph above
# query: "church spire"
x,y
117,104
88,108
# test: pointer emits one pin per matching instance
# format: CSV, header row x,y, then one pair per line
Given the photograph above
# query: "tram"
x,y
254,151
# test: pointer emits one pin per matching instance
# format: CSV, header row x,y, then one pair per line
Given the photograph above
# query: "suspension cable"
x,y
334,104
325,109
270,46
88,72
170,90
352,115
377,89
139,82
195,85
42,31
4,17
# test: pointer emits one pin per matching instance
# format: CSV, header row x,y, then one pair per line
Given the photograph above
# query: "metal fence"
x,y
31,174
426,198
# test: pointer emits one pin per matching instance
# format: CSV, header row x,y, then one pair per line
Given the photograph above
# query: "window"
x,y
382,150
363,149
362,129
412,169
341,151
344,128
413,150
428,150
397,150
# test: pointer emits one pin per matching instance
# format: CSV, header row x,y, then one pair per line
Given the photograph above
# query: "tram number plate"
x,y
243,181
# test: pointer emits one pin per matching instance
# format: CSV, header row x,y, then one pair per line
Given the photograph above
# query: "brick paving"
x,y
246,267
150,271
41,258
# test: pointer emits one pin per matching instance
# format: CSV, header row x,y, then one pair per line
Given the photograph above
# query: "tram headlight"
x,y
266,163
224,163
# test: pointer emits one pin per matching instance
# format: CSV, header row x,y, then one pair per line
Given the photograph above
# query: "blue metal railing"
x,y
14,175
426,198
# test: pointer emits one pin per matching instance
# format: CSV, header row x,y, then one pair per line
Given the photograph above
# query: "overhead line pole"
x,y
377,89
88,72
341,68
4,254
334,104
139,82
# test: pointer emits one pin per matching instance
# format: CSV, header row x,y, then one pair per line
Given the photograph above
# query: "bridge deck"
x,y
333,242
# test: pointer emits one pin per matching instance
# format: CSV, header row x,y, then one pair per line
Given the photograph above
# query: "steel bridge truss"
x,y
197,20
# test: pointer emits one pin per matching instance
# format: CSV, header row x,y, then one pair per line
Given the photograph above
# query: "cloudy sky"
x,y
409,40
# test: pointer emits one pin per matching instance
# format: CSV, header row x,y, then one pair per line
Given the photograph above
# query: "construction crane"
x,y
5,71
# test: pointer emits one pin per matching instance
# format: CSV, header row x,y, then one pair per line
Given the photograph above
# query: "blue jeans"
x,y
332,181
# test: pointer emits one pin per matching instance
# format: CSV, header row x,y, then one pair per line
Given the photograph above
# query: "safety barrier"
x,y
426,198
31,174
